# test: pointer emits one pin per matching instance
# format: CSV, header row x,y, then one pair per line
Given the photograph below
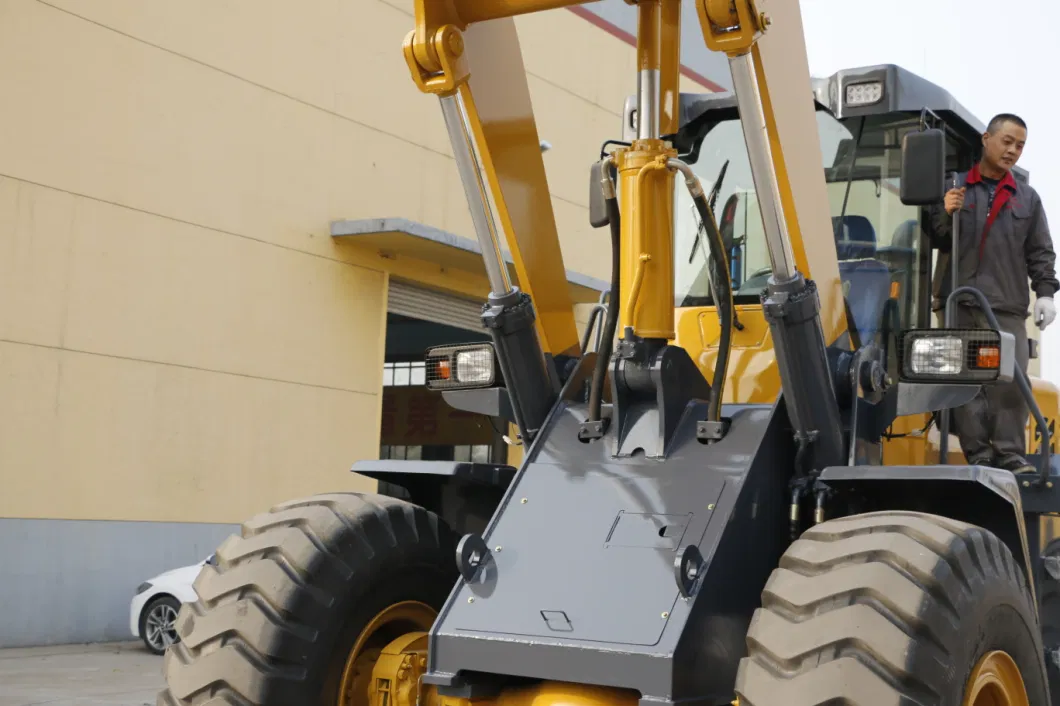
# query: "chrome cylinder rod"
x,y
649,63
648,104
475,189
752,118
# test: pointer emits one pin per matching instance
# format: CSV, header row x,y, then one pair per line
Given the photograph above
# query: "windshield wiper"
x,y
712,199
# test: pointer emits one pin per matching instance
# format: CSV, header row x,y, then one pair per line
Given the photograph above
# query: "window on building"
x,y
401,453
403,374
479,453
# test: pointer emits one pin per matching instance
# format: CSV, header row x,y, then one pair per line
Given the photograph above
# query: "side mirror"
x,y
923,168
597,205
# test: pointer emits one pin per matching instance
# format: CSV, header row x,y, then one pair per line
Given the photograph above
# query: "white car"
x,y
153,611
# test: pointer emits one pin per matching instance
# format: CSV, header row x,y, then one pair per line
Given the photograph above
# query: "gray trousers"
x,y
993,426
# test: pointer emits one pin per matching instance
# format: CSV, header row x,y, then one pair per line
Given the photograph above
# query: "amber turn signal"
x,y
988,357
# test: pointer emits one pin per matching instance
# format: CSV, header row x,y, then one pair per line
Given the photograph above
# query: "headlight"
x,y
957,356
867,93
937,356
143,587
475,366
458,367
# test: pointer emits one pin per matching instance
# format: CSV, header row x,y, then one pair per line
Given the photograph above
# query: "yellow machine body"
x,y
647,264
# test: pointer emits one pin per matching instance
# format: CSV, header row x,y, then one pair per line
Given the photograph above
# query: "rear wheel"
x,y
895,608
298,607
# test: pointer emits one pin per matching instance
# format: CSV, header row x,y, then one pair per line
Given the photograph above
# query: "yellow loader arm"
x,y
467,53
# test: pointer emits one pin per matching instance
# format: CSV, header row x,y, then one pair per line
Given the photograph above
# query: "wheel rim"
x,y
161,626
995,681
392,622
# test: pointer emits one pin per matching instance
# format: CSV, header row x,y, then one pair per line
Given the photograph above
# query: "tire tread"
x,y
250,638
854,597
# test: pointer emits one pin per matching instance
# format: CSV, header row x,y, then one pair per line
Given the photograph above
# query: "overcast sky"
x,y
992,56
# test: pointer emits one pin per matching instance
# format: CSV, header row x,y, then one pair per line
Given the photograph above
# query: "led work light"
x,y
957,356
866,93
461,367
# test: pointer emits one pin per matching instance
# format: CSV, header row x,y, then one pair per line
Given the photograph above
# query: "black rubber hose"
x,y
603,355
722,277
800,460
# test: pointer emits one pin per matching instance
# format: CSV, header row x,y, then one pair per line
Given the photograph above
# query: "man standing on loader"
x,y
1003,239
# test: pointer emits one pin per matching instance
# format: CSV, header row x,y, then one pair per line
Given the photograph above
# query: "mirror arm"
x,y
924,112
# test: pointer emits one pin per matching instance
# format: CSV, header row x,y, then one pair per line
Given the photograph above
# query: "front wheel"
x,y
299,607
895,608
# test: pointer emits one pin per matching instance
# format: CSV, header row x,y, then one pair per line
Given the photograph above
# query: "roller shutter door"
x,y
429,305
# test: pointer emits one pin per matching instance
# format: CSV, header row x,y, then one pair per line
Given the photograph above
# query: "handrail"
x,y
950,313
1021,381
599,308
591,326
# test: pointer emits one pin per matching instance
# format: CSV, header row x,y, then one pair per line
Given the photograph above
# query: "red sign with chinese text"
x,y
415,416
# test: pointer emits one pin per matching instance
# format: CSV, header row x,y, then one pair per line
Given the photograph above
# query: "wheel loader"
x,y
735,497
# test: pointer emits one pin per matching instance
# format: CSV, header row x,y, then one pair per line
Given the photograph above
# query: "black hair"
x,y
1001,118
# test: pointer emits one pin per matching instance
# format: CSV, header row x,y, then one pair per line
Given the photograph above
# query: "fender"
x,y
978,495
464,495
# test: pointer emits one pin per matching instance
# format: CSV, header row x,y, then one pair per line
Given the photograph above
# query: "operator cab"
x,y
863,115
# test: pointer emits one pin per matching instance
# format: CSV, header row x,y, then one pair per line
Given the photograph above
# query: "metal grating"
x,y
436,307
439,367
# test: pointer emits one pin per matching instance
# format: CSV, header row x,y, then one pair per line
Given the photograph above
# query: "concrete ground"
x,y
115,674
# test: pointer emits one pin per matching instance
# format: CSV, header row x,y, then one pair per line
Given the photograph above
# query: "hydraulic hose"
x,y
603,353
721,277
723,282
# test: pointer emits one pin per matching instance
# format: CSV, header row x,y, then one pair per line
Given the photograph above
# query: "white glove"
x,y
1044,312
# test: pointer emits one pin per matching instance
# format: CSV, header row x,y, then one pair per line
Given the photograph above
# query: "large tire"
x,y
889,608
278,615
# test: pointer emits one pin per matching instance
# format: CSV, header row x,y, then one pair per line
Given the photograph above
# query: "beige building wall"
x,y
180,338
